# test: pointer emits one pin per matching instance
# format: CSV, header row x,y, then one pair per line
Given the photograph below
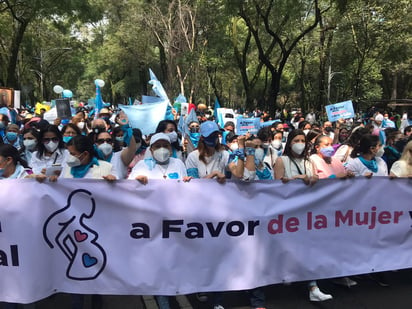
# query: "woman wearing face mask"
x,y
277,144
210,160
367,159
82,161
79,120
30,142
192,137
326,166
50,150
104,146
295,164
170,129
69,131
12,166
12,136
257,169
159,163
270,154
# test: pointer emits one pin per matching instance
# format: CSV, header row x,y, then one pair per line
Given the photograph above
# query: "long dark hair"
x,y
82,143
202,148
288,147
161,127
7,150
40,146
366,142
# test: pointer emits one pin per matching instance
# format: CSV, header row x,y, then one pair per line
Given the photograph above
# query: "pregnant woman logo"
x,y
68,229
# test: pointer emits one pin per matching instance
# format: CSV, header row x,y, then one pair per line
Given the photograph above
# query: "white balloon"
x,y
99,82
58,89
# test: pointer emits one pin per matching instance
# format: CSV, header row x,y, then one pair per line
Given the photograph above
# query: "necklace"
x,y
163,171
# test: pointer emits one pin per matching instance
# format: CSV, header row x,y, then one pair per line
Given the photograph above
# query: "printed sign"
x,y
247,125
342,110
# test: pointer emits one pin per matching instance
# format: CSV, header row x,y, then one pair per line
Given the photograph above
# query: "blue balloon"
x,y
67,93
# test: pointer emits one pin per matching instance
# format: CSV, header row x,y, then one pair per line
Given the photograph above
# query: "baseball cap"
x,y
157,137
208,127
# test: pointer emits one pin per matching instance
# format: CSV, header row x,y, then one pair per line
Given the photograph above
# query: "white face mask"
x,y
172,136
106,149
380,152
73,161
51,146
298,148
276,144
80,125
259,154
306,131
30,144
161,155
234,146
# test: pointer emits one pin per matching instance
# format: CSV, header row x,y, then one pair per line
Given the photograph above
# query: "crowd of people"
x,y
298,148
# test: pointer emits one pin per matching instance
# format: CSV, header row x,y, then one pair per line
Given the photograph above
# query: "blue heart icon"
x,y
88,261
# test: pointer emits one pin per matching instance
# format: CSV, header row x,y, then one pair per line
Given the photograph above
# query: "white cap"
x,y
159,136
379,117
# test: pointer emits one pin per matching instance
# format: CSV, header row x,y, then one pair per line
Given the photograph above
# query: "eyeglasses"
x,y
47,140
104,140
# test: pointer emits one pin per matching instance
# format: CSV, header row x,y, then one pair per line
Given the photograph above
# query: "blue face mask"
x,y
1,172
327,151
67,139
2,125
11,136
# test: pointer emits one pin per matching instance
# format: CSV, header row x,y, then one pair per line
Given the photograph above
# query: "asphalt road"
x,y
368,294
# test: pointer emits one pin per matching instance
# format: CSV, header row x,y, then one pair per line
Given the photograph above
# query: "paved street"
x,y
366,295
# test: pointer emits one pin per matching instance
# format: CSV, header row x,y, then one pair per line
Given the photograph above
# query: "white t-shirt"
x,y
58,157
292,170
148,167
119,169
218,162
401,169
359,169
95,172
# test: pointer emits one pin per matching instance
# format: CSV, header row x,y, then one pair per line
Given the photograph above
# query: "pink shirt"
x,y
325,170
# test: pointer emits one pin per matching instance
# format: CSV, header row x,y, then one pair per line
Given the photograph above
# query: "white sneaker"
x,y
345,281
218,307
316,295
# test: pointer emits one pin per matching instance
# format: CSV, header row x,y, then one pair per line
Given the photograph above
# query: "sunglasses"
x,y
104,140
47,140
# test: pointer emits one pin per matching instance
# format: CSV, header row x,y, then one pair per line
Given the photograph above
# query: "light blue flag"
x,y
181,125
145,116
157,86
268,123
98,101
215,113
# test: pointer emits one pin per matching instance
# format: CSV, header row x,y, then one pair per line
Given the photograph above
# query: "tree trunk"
x,y
274,88
14,54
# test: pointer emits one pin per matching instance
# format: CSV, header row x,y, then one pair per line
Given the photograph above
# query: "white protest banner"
x,y
342,110
170,237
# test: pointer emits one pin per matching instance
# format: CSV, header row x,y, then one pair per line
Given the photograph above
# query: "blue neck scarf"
x,y
194,137
81,170
371,165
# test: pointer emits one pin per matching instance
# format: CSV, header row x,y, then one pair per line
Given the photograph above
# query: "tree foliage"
x,y
247,53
